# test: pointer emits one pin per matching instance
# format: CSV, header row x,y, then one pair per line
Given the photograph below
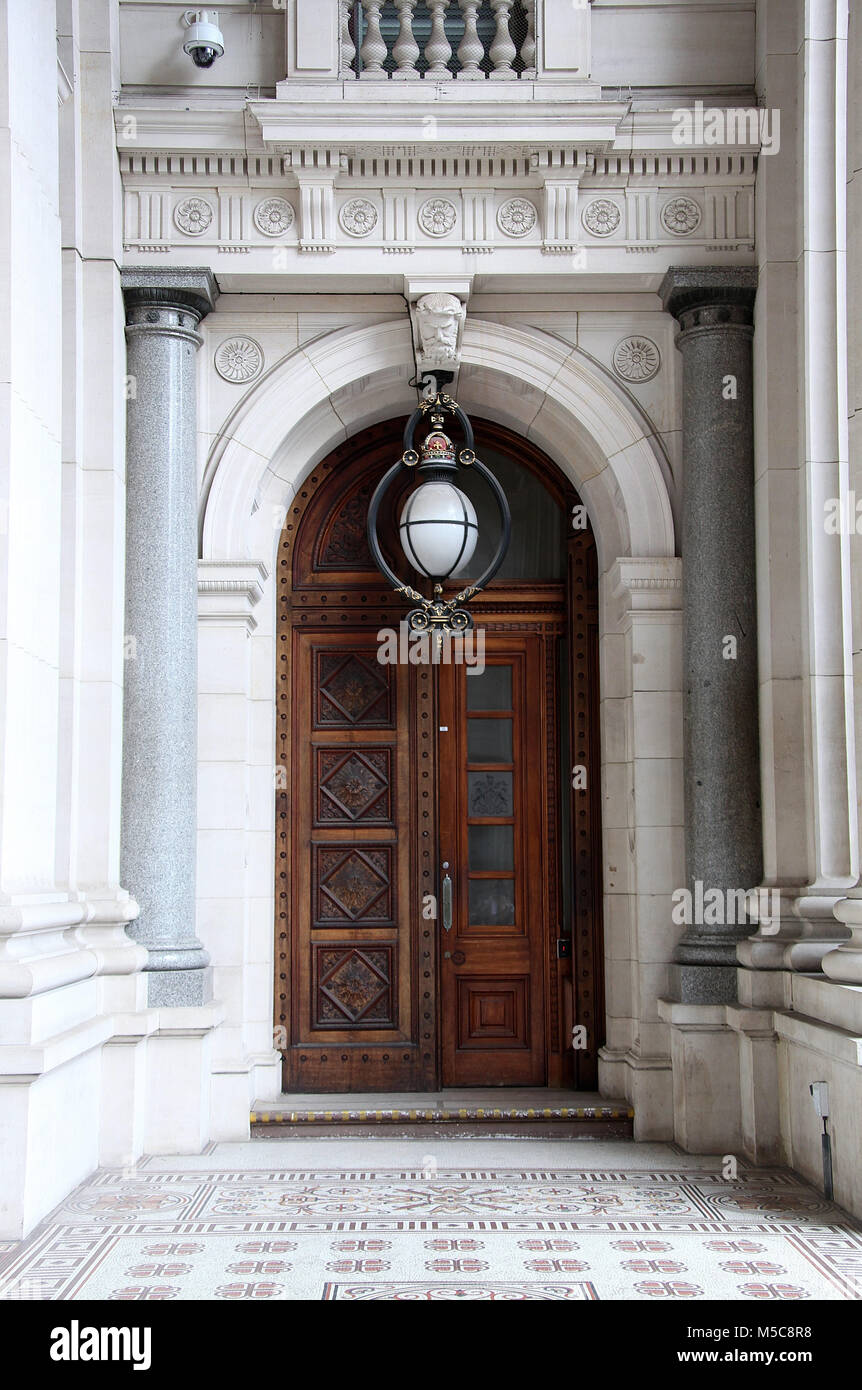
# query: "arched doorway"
x,y
392,769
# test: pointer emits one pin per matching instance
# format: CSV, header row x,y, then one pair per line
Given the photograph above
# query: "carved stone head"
x,y
439,318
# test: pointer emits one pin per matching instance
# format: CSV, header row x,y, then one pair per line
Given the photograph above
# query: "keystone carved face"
x,y
439,317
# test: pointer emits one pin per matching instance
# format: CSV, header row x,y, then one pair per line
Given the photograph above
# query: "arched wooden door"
x,y
388,769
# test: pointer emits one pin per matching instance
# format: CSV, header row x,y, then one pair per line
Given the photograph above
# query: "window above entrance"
x,y
537,549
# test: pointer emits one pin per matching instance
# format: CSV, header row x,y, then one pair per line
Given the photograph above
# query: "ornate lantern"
x,y
438,528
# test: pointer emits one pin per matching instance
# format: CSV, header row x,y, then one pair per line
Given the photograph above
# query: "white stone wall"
x,y
60,500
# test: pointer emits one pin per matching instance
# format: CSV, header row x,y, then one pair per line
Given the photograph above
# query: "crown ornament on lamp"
x,y
438,528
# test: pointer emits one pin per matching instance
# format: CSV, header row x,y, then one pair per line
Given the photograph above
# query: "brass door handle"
x,y
446,897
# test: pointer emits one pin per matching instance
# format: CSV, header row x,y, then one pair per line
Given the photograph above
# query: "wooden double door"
x,y
425,860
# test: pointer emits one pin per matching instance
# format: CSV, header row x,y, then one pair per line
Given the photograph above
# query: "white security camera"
x,y
205,40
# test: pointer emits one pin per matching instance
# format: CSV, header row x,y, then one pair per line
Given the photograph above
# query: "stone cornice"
x,y
646,586
354,124
393,118
229,589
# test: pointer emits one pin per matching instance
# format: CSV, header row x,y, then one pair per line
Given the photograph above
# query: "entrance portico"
x,y
227,264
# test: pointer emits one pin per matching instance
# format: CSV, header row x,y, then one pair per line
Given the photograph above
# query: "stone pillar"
x,y
723,846
642,827
844,963
159,810
809,773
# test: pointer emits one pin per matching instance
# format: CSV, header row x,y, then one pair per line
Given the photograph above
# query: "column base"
x,y
844,962
706,1091
703,984
172,989
797,935
647,1084
178,1110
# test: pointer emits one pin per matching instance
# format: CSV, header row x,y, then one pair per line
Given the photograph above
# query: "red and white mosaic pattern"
x,y
402,1234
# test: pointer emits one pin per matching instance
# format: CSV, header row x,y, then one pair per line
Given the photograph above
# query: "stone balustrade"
x,y
437,40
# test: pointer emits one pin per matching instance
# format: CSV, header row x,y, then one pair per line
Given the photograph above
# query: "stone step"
x,y
521,1112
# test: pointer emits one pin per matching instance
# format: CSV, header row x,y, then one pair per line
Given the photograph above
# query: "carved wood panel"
x,y
353,691
353,786
493,1013
353,885
353,986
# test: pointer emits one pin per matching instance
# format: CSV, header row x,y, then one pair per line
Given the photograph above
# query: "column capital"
x,y
710,296
190,288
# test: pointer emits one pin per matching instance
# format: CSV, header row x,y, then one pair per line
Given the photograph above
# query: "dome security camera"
x,y
205,40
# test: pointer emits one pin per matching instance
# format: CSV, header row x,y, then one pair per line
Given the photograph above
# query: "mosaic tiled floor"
x,y
434,1229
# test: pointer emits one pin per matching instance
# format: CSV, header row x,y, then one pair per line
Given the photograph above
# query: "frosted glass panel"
x,y
491,847
489,740
490,690
492,902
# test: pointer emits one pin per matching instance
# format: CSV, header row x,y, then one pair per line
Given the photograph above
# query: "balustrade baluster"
x,y
348,47
406,49
502,51
373,50
528,47
438,50
470,49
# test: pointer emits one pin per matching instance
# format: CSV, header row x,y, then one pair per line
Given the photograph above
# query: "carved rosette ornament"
x,y
681,216
238,360
358,217
274,216
193,216
636,359
437,216
517,217
601,217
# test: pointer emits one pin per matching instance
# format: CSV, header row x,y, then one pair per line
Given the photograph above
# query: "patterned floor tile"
x,y
370,1231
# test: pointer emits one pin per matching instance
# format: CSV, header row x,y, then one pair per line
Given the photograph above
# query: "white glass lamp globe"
x,y
438,529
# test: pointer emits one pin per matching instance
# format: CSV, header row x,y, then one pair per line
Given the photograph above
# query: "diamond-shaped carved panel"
x,y
352,884
353,986
353,690
354,786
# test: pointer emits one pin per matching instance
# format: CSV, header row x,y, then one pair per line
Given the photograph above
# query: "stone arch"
x,y
538,385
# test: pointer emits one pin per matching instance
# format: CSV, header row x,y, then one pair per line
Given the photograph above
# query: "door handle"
x,y
446,896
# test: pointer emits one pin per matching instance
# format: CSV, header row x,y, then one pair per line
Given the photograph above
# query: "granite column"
x,y
723,836
159,810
